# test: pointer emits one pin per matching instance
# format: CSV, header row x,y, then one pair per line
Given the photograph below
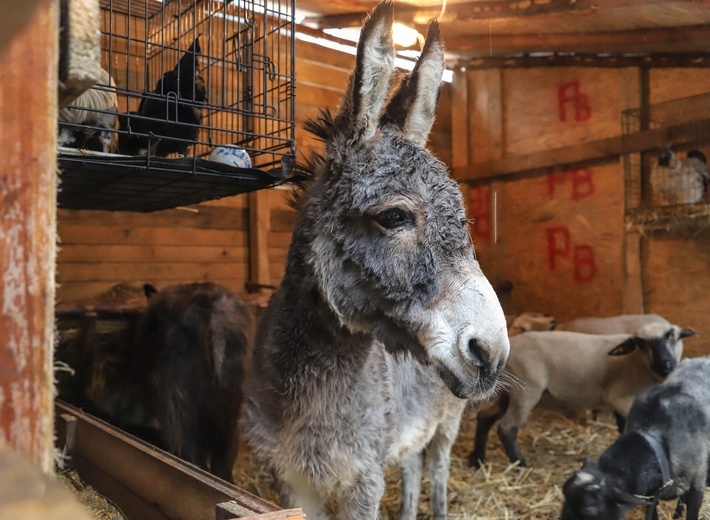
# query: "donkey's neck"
x,y
306,334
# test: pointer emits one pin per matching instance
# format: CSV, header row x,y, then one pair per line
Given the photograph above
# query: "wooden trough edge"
x,y
148,483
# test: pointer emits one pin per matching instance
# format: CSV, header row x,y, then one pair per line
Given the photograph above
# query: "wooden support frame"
x,y
28,119
599,151
147,483
259,229
633,92
651,61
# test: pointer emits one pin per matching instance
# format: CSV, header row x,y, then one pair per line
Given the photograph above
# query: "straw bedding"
x,y
554,444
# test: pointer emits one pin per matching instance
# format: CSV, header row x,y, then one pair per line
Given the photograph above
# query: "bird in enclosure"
x,y
695,176
95,111
171,113
677,182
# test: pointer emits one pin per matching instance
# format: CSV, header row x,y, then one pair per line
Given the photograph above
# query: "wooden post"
x,y
259,227
486,143
631,95
28,123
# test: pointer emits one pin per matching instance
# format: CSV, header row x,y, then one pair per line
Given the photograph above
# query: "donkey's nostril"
x,y
478,356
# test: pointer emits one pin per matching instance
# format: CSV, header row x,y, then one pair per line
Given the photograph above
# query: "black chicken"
x,y
174,115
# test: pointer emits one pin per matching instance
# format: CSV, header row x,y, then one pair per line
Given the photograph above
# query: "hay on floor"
x,y
552,443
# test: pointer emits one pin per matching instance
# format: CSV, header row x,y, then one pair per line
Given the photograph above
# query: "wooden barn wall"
x,y
559,236
210,241
676,267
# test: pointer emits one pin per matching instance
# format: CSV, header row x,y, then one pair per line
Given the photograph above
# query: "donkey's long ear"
x,y
371,80
413,106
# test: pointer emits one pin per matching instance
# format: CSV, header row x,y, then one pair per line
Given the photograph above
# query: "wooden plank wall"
x,y
559,236
209,241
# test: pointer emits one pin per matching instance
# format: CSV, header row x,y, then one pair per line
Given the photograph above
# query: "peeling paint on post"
x,y
28,119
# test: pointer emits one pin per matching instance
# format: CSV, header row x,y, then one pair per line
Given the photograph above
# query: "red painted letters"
x,y
570,93
560,247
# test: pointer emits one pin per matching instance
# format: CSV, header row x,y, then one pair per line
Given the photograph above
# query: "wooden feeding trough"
x,y
147,483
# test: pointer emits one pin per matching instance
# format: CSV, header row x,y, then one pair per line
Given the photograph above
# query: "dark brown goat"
x,y
182,366
195,340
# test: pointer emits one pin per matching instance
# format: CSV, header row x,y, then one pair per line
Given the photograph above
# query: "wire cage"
x,y
669,178
196,102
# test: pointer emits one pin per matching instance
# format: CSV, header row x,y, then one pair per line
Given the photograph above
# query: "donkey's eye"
x,y
393,218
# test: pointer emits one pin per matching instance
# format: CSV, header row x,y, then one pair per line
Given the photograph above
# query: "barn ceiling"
x,y
485,28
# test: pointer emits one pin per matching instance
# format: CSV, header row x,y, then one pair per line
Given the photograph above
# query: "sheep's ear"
x,y
369,86
627,347
685,333
149,290
413,106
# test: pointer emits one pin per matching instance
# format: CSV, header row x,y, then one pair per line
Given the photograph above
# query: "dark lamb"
x,y
172,112
663,453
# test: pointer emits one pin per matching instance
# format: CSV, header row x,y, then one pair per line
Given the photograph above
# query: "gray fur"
x,y
677,414
575,372
372,322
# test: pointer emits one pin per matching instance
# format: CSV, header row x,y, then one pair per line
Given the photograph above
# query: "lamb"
x,y
528,321
574,372
621,324
663,454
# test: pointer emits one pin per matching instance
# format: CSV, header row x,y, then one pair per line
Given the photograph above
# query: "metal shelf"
x,y
92,180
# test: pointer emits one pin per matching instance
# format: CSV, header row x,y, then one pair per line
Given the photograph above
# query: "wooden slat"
x,y
645,41
144,272
459,121
479,10
633,93
655,61
72,291
197,217
600,150
81,253
98,234
28,123
160,480
259,229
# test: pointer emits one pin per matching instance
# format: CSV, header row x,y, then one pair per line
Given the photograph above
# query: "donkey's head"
x,y
387,234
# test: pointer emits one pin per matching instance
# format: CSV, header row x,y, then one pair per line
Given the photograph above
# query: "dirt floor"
x,y
552,443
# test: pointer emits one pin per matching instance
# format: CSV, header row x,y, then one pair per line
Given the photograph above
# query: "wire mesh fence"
x,y
189,79
671,176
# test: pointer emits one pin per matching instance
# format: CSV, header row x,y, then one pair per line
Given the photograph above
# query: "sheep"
x,y
97,110
528,321
663,453
621,324
575,372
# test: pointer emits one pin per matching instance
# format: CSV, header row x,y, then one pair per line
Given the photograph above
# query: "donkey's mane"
x,y
322,127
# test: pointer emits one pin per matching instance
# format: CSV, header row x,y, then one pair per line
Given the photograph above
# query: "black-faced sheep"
x,y
573,372
663,453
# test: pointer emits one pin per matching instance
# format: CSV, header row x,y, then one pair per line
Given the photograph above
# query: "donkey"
x,y
383,325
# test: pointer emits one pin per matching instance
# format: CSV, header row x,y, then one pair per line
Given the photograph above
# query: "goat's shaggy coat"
x,y
383,311
673,415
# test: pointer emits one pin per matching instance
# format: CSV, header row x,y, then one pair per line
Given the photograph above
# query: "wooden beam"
x,y
259,230
602,150
633,93
480,10
641,41
28,119
459,120
651,61
146,482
